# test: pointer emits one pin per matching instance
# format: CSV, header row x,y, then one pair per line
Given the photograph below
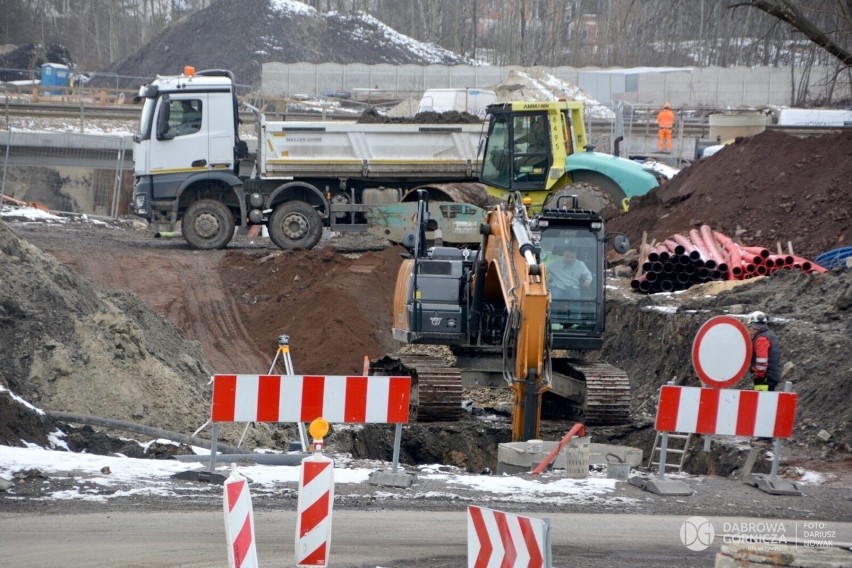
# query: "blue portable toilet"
x,y
54,75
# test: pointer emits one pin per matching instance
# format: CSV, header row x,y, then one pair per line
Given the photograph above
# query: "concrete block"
x,y
773,485
202,475
598,454
661,486
521,457
391,479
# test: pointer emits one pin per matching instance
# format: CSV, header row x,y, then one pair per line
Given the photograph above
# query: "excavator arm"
x,y
511,270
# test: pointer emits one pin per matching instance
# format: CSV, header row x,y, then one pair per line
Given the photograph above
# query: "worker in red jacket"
x,y
665,121
766,353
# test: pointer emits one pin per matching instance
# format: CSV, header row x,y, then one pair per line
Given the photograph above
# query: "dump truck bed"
x,y
346,150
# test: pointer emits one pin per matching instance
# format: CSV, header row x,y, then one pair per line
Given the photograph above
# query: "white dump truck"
x,y
191,166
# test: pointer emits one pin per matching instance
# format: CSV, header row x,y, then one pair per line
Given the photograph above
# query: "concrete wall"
x,y
687,87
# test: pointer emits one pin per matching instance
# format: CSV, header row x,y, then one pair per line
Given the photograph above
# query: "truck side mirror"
x,y
163,120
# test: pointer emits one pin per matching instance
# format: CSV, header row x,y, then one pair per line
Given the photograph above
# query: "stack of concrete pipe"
x,y
703,255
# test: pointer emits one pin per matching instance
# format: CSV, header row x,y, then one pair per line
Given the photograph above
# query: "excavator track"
x,y
436,387
607,393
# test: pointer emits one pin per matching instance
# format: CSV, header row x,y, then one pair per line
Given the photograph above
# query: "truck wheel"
x,y
295,224
207,225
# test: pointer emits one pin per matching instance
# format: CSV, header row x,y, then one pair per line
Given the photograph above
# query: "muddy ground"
x,y
102,319
95,345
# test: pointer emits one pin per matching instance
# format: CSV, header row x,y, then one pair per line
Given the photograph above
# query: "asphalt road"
x,y
398,539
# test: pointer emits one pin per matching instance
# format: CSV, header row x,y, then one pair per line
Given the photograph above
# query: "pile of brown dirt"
x,y
67,346
335,308
759,191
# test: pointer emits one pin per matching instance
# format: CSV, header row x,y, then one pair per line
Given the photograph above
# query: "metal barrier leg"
x,y
214,440
397,440
664,444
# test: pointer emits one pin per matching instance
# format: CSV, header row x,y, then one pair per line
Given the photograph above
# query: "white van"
x,y
473,101
814,117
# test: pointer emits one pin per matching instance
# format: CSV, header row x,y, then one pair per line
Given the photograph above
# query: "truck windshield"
x,y
144,132
572,259
495,165
517,151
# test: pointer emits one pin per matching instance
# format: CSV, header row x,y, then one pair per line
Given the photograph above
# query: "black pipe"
x,y
74,418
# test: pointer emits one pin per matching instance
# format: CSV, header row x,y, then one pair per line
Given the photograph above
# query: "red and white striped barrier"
x,y
313,523
302,398
502,540
239,523
726,412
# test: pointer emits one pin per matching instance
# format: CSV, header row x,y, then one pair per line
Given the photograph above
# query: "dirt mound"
x,y
335,308
32,56
371,116
68,347
242,36
760,190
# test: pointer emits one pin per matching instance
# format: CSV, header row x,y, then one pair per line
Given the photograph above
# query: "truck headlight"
x,y
140,203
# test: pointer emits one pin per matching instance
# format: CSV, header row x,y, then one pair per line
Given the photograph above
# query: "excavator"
x,y
492,306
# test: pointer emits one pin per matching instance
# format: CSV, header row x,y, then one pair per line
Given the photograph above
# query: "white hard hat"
x,y
757,318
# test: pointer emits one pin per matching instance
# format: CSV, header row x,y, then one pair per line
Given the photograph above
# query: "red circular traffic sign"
x,y
721,352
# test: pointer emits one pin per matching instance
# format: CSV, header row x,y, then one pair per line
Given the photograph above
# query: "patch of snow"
x,y
429,52
537,85
667,172
28,214
663,309
15,397
291,7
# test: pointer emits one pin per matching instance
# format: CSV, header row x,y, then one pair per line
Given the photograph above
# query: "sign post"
x,y
721,354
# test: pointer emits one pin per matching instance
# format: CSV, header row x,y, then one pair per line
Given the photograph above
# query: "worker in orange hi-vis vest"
x,y
665,120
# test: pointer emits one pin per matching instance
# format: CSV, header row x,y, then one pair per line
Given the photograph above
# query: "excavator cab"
x,y
572,242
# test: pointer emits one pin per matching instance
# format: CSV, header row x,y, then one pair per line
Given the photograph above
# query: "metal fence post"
x,y
119,170
6,163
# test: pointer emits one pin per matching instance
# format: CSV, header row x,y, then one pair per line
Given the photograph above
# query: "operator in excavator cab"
x,y
532,149
567,275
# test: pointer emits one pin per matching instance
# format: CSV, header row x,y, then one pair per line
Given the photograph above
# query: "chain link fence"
x,y
67,172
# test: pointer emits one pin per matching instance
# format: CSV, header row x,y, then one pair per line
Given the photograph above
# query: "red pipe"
x,y
807,265
732,251
696,239
761,270
763,252
688,247
711,244
751,258
577,429
673,246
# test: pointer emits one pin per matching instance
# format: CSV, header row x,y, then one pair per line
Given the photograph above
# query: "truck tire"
x,y
295,224
590,196
207,224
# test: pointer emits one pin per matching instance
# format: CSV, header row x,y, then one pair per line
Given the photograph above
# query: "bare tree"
x,y
793,13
